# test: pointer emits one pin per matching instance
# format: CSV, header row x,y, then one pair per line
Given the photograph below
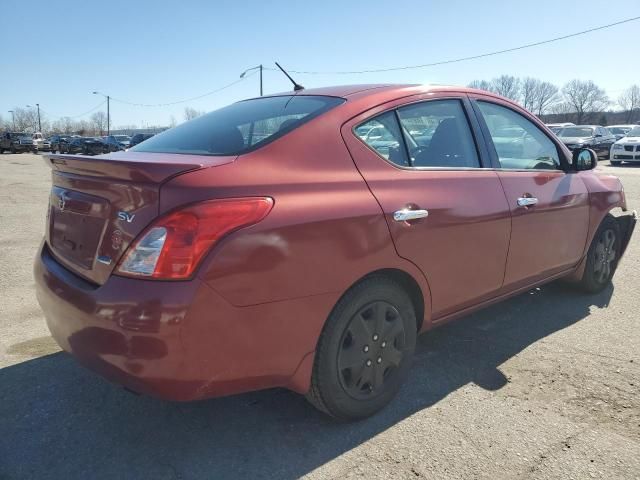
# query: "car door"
x,y
549,206
446,211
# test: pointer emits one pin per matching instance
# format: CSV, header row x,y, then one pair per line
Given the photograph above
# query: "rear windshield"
x,y
240,127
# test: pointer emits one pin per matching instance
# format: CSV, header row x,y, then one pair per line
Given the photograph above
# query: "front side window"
x,y
435,133
518,142
240,127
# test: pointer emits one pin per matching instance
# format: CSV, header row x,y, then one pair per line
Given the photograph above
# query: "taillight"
x,y
172,247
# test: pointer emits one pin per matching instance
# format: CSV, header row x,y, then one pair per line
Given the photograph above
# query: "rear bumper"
x,y
179,340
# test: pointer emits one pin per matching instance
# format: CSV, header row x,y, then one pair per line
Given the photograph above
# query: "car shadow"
x,y
58,420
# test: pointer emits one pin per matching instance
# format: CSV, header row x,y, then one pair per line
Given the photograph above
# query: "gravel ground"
x,y
544,385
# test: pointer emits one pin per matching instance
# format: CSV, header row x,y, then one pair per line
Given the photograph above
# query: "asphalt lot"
x,y
542,386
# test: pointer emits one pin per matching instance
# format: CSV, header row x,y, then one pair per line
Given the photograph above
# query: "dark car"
x,y
594,137
57,141
139,137
83,145
203,263
112,144
17,142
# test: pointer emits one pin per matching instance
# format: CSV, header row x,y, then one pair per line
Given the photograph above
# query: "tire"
x,y
373,328
615,163
602,257
12,149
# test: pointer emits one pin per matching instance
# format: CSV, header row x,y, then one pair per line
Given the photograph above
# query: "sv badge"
x,y
127,217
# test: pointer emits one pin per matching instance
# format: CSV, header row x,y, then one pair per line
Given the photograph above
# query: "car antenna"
x,y
296,86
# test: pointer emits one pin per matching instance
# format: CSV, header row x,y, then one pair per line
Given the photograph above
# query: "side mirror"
x,y
584,159
598,135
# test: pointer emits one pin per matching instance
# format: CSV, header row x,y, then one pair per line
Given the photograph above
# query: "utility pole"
x,y
260,68
13,118
108,114
39,124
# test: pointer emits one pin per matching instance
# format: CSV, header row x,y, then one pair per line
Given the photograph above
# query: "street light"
x,y
13,118
259,67
107,97
39,124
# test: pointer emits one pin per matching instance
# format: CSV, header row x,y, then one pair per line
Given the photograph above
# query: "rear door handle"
x,y
406,215
527,201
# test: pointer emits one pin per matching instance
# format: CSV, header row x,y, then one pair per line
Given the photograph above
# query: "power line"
x,y
473,57
224,87
79,115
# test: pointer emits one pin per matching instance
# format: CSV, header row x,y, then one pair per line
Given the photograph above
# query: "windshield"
x,y
121,138
634,132
240,127
619,130
576,132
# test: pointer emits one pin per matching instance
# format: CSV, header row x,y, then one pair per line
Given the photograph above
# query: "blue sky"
x,y
57,52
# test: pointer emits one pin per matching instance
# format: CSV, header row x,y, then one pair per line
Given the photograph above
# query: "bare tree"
x,y
545,96
584,98
99,122
507,86
529,92
629,100
25,119
191,113
480,85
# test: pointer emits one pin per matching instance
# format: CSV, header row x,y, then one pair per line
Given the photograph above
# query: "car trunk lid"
x,y
98,205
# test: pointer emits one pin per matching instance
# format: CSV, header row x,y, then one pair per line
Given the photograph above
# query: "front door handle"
x,y
406,215
527,201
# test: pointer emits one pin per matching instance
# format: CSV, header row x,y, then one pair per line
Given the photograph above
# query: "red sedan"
x,y
302,240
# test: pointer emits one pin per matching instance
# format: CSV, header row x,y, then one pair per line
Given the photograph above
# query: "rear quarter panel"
x,y
324,233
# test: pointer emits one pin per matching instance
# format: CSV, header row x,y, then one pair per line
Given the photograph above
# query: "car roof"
x,y
350,92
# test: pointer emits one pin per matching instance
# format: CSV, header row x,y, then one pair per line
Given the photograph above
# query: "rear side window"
x,y
240,127
382,134
435,133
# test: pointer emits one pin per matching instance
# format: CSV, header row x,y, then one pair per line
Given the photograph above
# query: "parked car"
x,y
139,137
200,263
595,137
627,149
124,140
57,140
620,130
41,143
17,142
112,144
83,145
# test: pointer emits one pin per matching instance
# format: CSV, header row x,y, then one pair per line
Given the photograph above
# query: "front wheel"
x,y
365,350
602,257
615,163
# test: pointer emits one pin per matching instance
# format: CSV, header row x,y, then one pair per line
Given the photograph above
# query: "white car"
x,y
41,143
620,130
627,149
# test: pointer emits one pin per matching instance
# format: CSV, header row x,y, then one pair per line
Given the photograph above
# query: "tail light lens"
x,y
172,247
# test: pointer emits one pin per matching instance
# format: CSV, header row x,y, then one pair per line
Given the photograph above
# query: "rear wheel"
x,y
365,350
12,149
602,257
